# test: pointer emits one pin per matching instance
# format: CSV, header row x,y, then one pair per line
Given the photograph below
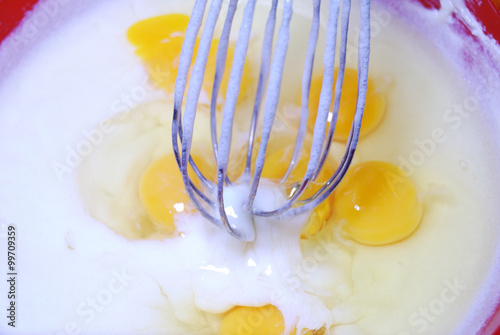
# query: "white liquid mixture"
x,y
82,101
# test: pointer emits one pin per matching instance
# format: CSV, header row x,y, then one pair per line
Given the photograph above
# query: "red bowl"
x,y
487,11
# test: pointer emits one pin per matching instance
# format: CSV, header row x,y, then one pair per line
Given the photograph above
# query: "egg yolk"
x,y
374,106
208,166
159,42
377,203
257,321
162,192
277,161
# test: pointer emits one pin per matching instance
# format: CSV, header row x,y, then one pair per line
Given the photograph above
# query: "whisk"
x,y
209,199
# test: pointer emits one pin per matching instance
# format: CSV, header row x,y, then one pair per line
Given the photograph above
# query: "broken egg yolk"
x,y
257,321
377,204
374,106
278,159
162,192
159,42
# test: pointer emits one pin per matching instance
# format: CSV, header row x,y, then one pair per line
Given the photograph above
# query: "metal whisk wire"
x,y
270,78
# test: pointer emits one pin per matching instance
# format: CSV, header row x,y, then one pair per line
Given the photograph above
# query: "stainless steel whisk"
x,y
209,200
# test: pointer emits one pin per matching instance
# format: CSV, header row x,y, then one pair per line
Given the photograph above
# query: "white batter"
x,y
77,274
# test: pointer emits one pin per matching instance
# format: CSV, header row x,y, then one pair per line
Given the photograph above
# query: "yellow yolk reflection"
x,y
377,203
374,107
277,162
162,192
159,42
257,321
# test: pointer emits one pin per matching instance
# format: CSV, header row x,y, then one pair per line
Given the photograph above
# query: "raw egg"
x,y
377,204
256,321
159,42
278,159
374,107
162,192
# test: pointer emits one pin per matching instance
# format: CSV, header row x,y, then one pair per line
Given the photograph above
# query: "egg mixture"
x,y
110,242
